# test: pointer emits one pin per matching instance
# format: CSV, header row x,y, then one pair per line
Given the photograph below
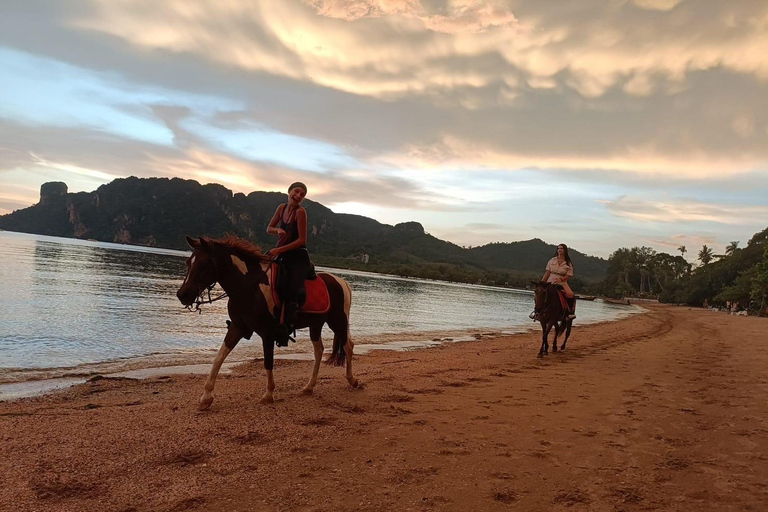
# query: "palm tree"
x,y
682,250
705,255
730,249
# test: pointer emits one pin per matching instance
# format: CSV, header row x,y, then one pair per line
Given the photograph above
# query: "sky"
x,y
599,124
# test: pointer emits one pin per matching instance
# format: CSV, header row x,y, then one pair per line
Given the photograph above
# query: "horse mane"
x,y
245,249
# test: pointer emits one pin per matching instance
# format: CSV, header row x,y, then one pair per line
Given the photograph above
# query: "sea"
x,y
73,309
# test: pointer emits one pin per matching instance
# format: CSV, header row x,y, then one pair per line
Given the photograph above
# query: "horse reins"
x,y
199,301
546,301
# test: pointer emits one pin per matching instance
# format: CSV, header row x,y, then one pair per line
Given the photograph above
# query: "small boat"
x,y
584,297
623,302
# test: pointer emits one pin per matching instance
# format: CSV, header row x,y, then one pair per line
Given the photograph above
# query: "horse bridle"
x,y
546,300
199,301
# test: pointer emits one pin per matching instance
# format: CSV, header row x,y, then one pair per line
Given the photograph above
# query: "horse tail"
x,y
339,324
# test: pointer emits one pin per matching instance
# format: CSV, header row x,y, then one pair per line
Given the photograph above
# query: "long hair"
x,y
565,253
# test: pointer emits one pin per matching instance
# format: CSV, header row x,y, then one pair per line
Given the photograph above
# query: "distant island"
x,y
159,212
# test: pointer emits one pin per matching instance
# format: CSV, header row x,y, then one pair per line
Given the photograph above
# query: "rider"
x,y
289,223
559,270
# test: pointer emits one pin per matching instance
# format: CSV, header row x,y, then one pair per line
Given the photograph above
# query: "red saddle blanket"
x,y
317,301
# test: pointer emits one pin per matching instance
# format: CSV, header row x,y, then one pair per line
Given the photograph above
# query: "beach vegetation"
x,y
740,276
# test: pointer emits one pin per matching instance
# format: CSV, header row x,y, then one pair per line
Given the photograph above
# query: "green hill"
x,y
159,212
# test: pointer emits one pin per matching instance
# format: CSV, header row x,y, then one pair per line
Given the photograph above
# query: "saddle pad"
x,y
317,301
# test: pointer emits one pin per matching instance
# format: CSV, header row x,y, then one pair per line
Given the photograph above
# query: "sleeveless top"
x,y
290,227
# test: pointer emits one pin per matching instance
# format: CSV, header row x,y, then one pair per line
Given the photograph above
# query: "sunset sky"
x,y
599,124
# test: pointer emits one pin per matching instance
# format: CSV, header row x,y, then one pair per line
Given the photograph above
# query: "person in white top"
x,y
559,270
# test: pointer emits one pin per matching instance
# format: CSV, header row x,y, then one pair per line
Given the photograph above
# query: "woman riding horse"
x,y
559,270
289,223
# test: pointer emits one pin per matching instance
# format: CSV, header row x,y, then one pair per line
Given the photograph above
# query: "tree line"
x,y
739,276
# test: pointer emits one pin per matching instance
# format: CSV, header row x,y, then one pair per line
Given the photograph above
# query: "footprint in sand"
x,y
455,384
571,498
252,438
427,391
186,458
397,411
675,464
397,398
318,422
504,495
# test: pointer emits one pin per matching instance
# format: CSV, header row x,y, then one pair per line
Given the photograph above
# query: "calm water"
x,y
77,307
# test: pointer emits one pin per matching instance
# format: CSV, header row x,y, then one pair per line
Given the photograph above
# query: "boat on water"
x,y
623,302
584,297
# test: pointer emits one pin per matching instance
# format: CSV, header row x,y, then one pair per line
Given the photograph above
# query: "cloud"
x,y
691,242
657,5
457,16
577,86
102,157
685,210
426,108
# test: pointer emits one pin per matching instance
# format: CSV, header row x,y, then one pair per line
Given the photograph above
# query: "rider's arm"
x,y
546,276
272,228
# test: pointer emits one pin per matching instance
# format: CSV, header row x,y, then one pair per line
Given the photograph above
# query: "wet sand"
x,y
660,411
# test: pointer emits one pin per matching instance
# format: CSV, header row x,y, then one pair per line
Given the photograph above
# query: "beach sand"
x,y
661,411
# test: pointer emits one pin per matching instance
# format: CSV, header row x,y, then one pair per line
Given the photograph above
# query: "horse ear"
x,y
194,244
206,244
534,282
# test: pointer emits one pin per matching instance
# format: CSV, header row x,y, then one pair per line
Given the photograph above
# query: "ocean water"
x,y
75,308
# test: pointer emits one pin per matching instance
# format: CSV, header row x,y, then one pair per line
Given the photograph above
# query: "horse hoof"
x,y
355,383
266,399
307,391
204,403
541,354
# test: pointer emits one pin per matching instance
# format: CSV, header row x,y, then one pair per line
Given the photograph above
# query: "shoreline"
x,y
200,362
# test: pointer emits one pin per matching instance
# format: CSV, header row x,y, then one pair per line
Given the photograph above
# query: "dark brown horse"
x,y
242,271
550,313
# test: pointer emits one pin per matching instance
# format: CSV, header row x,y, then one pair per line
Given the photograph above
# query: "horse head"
x,y
201,270
540,294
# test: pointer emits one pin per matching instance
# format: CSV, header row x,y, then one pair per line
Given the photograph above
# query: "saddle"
x,y
563,301
318,300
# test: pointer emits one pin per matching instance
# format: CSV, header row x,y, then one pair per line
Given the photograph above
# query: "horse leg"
x,y
558,330
269,362
339,324
545,328
349,347
230,341
315,332
567,333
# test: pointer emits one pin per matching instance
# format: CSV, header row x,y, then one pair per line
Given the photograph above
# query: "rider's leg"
x,y
283,331
295,294
571,300
572,307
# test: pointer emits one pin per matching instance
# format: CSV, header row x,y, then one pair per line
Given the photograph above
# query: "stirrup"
x,y
283,335
534,316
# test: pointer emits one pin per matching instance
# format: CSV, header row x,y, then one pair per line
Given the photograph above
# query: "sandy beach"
x,y
661,411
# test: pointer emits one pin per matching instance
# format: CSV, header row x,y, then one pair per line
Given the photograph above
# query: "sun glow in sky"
x,y
600,124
